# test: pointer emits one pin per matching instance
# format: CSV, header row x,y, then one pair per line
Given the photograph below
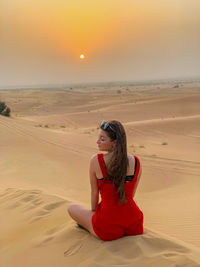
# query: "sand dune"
x,y
44,235
45,150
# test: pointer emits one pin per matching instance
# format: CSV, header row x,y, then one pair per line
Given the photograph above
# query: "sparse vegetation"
x,y
46,126
86,132
133,148
142,146
119,91
4,110
62,126
164,143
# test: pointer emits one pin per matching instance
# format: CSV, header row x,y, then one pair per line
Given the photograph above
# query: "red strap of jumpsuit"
x,y
102,165
137,167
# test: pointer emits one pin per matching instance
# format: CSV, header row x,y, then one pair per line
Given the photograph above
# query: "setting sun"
x,y
82,56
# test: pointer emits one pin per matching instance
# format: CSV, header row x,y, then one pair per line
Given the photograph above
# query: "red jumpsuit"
x,y
112,220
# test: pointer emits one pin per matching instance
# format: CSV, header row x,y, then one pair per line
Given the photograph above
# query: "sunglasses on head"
x,y
104,125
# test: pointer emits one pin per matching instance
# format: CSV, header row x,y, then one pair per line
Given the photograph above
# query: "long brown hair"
x,y
118,164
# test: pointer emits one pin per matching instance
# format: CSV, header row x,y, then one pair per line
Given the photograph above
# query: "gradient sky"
x,y
123,40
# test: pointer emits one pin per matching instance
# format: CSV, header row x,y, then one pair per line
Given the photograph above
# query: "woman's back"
x,y
115,176
109,212
107,189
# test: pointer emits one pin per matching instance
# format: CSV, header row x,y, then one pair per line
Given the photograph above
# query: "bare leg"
x,y
82,216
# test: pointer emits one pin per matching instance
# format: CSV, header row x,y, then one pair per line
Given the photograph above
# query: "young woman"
x,y
115,175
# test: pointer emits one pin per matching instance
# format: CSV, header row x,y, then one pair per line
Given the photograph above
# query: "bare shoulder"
x,y
94,160
131,159
130,156
94,157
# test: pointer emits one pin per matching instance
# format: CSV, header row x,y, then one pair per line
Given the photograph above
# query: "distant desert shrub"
x,y
4,110
164,143
142,146
46,126
2,106
62,126
132,147
119,91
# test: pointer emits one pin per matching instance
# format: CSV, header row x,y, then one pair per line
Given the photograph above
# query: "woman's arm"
x,y
137,181
94,185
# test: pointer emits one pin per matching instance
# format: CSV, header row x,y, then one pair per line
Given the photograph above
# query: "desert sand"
x,y
46,146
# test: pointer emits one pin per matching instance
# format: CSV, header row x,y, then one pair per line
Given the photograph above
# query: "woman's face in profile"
x,y
104,142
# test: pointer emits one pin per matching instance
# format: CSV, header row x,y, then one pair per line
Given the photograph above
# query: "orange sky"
x,y
121,39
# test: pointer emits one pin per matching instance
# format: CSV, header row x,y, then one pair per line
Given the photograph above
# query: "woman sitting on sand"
x,y
116,175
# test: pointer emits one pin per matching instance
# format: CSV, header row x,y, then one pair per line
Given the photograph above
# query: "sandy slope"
x,y
43,169
44,235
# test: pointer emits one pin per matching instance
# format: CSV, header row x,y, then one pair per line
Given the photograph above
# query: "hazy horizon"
x,y
122,41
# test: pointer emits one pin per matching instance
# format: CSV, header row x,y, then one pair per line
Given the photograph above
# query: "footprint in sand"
x,y
73,250
46,210
42,213
36,192
16,194
54,205
41,242
11,194
28,198
53,230
39,218
39,215
37,202
46,240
